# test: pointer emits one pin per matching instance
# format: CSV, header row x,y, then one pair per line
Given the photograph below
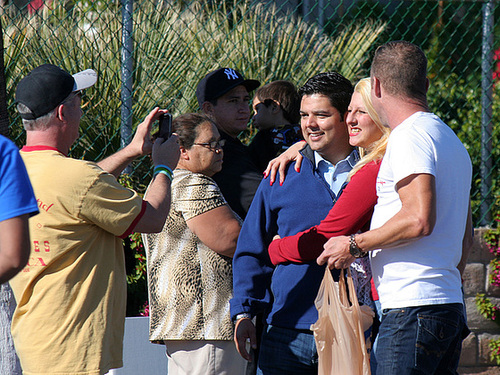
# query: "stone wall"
x,y
475,352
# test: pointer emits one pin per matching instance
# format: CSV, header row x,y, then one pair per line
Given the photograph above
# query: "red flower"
x,y
496,73
145,309
35,5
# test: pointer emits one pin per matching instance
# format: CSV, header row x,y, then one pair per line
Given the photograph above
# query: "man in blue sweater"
x,y
285,294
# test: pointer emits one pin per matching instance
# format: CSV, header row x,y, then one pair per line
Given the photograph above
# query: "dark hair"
x,y
186,126
401,68
285,93
333,85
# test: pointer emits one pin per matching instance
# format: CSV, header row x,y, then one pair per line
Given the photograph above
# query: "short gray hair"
x,y
40,123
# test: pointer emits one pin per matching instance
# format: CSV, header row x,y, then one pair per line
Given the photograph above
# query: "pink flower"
x,y
496,73
35,5
145,311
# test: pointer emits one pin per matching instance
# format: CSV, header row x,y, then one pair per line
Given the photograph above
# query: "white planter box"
x,y
139,355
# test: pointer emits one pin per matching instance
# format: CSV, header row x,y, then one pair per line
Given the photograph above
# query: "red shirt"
x,y
351,213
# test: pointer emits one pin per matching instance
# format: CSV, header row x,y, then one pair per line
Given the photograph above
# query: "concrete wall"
x,y
140,357
475,352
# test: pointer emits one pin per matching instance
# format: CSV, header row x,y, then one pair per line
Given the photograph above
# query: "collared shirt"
x,y
336,175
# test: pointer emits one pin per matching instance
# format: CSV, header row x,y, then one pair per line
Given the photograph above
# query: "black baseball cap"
x,y
220,81
47,86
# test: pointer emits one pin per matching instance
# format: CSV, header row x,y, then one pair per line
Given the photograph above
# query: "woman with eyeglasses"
x,y
190,261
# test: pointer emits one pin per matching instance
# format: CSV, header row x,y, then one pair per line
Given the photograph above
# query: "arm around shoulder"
x,y
279,163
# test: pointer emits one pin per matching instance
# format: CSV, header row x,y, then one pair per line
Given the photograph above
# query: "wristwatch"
x,y
241,316
354,249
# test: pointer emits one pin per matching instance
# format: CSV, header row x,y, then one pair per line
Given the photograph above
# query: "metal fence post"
x,y
321,14
126,72
487,112
306,10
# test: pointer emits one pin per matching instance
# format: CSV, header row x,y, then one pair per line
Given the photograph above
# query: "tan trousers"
x,y
204,358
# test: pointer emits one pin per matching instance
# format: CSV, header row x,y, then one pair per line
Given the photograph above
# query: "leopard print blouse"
x,y
189,285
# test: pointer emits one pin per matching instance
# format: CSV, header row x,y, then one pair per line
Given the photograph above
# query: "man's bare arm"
x,y
415,220
140,145
158,196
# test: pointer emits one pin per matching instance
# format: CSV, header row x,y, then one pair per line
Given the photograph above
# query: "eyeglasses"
x,y
214,145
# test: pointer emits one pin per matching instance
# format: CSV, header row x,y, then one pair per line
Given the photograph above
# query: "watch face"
x,y
355,251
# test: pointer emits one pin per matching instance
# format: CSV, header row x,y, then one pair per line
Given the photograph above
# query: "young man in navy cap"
x,y
224,95
71,295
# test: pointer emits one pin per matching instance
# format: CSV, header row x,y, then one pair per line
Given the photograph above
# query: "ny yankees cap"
x,y
220,81
47,86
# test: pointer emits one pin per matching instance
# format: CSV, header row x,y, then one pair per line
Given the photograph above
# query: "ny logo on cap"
x,y
231,73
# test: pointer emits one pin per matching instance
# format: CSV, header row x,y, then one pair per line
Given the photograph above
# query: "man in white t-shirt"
x,y
421,229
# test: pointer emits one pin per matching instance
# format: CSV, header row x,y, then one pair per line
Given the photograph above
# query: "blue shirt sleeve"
x,y
252,268
16,193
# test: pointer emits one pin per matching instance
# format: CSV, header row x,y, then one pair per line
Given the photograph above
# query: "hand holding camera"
x,y
164,126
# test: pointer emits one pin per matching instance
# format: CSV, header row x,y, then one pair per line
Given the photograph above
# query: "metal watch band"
x,y
242,316
354,248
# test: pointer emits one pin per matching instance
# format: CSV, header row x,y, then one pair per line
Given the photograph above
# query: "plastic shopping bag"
x,y
339,331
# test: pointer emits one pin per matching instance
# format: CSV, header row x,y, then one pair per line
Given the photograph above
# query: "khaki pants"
x,y
204,358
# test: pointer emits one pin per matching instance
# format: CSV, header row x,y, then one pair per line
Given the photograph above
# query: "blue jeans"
x,y
420,340
287,351
373,357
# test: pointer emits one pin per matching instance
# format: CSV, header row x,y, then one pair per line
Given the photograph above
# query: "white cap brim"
x,y
85,79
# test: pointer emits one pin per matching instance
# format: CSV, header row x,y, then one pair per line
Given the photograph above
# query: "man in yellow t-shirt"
x,y
71,296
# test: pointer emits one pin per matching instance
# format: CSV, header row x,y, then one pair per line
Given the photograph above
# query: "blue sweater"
x,y
286,293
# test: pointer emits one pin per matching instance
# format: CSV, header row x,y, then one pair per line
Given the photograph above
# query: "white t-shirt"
x,y
423,272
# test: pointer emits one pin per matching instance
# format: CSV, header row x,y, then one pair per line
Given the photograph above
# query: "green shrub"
x,y
484,305
458,103
174,48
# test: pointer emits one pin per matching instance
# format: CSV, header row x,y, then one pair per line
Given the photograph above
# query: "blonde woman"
x,y
353,210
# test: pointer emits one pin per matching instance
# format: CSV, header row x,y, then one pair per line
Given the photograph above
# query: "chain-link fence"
x,y
152,52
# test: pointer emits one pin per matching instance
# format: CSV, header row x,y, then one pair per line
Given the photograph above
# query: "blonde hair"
x,y
376,151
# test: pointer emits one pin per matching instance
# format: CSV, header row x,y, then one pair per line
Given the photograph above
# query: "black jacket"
x,y
239,178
